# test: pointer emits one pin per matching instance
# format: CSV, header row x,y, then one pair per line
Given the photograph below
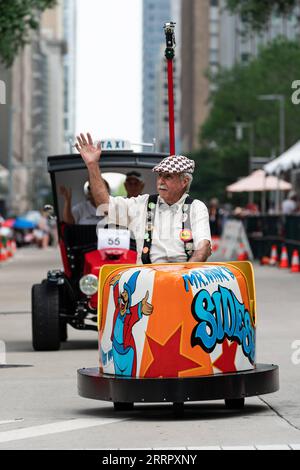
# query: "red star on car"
x,y
167,360
225,362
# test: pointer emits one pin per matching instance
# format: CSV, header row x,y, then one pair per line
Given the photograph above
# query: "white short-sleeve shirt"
x,y
167,245
84,213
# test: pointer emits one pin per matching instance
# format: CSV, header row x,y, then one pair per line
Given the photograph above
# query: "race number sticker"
x,y
111,238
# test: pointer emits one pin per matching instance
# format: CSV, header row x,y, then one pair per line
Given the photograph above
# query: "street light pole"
x,y
281,99
282,123
10,161
239,126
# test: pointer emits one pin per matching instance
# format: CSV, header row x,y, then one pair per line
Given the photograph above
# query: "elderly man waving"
x,y
168,226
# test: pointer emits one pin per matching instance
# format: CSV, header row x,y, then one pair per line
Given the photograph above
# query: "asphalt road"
x,y
40,408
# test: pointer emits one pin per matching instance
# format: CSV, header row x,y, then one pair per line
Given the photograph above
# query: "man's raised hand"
x,y
66,193
87,149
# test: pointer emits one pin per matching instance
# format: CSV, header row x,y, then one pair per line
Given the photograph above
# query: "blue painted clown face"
x,y
124,300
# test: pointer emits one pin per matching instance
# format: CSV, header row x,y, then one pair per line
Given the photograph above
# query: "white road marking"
x,y
128,449
169,448
295,446
144,448
250,447
205,448
274,447
2,353
100,448
12,421
54,428
238,448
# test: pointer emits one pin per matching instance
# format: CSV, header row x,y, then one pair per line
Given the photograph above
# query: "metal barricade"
x,y
263,231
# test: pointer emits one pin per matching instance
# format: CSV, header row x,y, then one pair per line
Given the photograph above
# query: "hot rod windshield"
x,y
69,171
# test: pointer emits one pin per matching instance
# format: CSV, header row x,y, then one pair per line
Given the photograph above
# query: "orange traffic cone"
x,y
3,254
274,256
284,261
215,243
295,265
265,260
14,246
9,249
243,255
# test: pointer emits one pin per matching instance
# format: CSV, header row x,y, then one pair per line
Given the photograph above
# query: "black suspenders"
x,y
186,232
151,205
187,227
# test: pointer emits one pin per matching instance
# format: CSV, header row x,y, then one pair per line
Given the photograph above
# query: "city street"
x,y
40,408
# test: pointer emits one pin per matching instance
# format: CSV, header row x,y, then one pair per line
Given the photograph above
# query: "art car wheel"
x,y
120,406
235,403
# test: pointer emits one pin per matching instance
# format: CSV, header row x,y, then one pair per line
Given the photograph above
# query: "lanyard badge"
x,y
186,235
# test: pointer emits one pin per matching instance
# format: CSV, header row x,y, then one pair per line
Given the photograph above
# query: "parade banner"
x,y
176,320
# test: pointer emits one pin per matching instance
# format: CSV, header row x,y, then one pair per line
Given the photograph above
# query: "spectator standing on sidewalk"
x,y
289,205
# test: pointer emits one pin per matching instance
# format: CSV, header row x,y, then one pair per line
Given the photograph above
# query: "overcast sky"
x,y
109,68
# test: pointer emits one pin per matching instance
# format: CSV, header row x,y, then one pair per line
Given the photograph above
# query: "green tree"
x,y
17,19
257,13
215,169
236,98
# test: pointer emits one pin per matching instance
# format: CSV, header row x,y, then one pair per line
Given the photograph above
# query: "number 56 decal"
x,y
113,238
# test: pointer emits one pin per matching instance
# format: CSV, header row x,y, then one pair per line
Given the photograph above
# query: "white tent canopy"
x,y
258,181
288,160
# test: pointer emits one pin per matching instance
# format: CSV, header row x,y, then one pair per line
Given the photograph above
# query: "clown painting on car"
x,y
126,315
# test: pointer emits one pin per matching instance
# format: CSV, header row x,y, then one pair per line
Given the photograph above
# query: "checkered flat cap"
x,y
175,164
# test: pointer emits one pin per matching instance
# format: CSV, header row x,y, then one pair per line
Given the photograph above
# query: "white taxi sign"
x,y
115,144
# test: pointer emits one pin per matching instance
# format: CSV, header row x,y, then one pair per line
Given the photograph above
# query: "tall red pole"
x,y
169,54
171,107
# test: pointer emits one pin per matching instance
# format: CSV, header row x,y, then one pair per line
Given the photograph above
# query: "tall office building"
x,y
52,49
211,38
194,61
6,79
70,35
40,108
155,14
33,117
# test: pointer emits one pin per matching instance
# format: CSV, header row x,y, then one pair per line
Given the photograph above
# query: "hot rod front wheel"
x,y
45,317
